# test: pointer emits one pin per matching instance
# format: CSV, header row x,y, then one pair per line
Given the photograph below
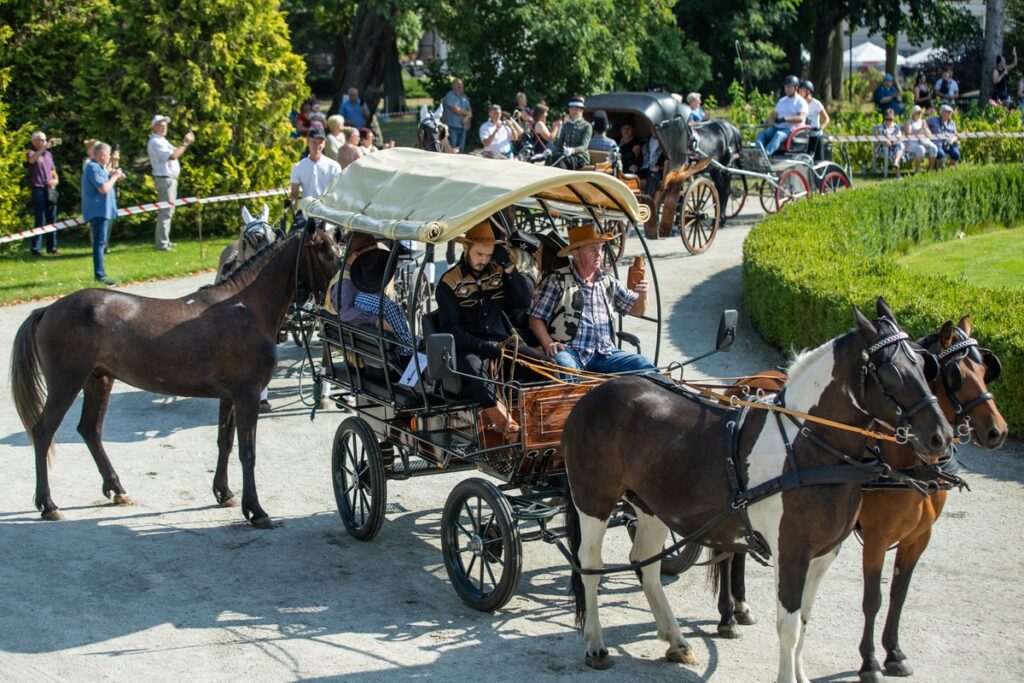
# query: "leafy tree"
x,y
13,189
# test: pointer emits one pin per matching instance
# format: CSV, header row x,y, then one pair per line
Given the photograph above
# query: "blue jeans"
x,y
772,138
100,232
952,151
457,138
44,213
618,361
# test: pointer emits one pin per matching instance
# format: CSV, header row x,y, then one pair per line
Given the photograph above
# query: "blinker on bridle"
x,y
886,374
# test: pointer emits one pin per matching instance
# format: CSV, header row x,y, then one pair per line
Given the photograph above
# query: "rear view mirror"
x,y
440,356
726,330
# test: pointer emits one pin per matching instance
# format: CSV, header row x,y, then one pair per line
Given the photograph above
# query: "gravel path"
x,y
177,587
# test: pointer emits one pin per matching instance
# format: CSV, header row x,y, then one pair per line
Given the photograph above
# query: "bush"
x,y
805,267
14,196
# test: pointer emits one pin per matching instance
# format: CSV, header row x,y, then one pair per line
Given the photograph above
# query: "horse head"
x,y
431,132
890,380
318,262
966,371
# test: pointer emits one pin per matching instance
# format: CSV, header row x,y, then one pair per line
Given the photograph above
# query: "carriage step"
x,y
419,466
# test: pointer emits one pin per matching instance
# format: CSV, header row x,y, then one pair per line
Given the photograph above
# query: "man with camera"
x,y
499,131
42,177
163,157
99,205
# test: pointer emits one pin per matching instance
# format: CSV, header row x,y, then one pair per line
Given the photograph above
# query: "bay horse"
x,y
895,515
219,342
668,453
256,234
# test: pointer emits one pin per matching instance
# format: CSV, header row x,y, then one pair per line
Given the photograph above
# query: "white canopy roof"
x,y
405,193
868,54
923,56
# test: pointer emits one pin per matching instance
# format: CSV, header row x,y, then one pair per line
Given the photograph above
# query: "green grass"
x,y
24,277
990,259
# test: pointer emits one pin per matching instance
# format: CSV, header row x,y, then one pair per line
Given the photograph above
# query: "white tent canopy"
x,y
923,56
868,54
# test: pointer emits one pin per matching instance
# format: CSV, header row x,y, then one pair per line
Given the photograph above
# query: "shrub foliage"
x,y
804,268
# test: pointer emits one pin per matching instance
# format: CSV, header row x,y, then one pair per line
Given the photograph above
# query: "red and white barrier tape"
x,y
966,135
143,208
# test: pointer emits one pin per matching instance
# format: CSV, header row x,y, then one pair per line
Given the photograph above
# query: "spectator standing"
x,y
887,95
163,157
790,111
1020,93
99,205
946,88
457,115
918,146
302,118
944,126
498,132
1001,79
697,113
355,111
313,172
922,92
43,179
366,145
317,119
350,151
573,139
334,138
542,136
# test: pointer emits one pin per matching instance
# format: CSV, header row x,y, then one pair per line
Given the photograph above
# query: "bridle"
x,y
317,275
952,376
258,234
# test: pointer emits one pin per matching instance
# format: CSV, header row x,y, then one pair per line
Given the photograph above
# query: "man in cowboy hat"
x,y
572,311
474,299
573,140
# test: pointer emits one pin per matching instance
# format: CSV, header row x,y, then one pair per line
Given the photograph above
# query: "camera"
x,y
53,142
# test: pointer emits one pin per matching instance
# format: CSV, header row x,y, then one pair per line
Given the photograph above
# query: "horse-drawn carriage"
x,y
410,416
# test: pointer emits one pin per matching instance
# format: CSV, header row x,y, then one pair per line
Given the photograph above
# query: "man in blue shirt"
x,y
355,110
887,96
99,205
457,114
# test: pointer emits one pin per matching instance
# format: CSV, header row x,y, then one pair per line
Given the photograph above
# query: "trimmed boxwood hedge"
x,y
804,267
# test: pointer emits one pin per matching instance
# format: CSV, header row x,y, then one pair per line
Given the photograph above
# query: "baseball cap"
x,y
946,107
495,107
888,77
316,133
158,118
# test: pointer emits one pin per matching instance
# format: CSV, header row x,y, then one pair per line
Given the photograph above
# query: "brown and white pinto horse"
x,y
219,342
667,454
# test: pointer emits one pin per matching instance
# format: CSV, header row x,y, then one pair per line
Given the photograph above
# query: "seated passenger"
x,y
600,141
371,273
474,299
893,145
572,311
630,149
341,291
697,113
943,127
789,112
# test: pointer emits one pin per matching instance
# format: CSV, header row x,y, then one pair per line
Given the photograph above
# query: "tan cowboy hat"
x,y
481,233
582,236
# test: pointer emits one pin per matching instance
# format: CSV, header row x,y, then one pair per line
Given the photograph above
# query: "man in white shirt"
x,y
790,111
313,173
163,158
497,134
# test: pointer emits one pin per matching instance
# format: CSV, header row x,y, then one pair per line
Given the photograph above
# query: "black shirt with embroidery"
x,y
473,307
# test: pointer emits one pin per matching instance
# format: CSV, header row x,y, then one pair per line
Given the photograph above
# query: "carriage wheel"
x,y
737,196
481,545
834,181
766,195
360,487
792,186
697,215
679,561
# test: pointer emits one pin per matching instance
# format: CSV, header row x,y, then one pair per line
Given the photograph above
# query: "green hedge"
x,y
805,267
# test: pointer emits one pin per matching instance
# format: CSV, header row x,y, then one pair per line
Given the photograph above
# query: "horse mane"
x,y
806,358
254,263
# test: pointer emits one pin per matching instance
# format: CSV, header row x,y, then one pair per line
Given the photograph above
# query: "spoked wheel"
x,y
697,215
834,181
360,487
679,561
481,545
792,186
617,245
737,196
766,195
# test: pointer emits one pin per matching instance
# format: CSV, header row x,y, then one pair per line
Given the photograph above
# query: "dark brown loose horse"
x,y
668,454
218,342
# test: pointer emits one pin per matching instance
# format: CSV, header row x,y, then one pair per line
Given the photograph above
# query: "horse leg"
x,y
741,609
58,401
790,578
94,408
907,556
246,413
816,571
592,532
651,533
225,441
727,624
875,545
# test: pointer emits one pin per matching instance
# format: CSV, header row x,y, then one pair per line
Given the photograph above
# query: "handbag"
x,y
52,195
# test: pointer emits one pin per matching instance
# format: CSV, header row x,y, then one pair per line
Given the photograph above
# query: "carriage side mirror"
x,y
440,356
726,330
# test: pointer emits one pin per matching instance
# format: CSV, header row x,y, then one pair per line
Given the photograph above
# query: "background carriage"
x,y
412,420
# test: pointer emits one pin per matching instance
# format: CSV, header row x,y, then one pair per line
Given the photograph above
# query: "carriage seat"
x,y
798,141
431,324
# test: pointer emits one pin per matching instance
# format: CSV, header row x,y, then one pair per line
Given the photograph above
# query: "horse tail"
x,y
27,384
574,536
714,573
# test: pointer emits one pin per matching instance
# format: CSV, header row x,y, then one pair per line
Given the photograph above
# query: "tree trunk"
x,y
827,25
837,65
995,25
371,54
890,54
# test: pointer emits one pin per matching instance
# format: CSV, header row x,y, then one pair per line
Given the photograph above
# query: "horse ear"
x,y
265,214
946,335
966,325
865,326
883,310
424,113
246,216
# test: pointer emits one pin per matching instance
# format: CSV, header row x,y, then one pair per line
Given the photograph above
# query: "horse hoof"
x,y
123,499
602,660
231,502
262,522
680,655
53,515
745,619
871,677
898,668
728,631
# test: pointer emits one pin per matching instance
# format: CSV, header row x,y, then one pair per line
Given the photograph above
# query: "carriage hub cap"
x,y
475,545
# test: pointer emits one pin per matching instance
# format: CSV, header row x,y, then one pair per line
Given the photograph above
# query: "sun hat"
x,y
373,270
915,109
582,236
481,233
158,118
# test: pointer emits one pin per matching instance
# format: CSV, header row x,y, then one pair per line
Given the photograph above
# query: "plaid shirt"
x,y
392,315
594,334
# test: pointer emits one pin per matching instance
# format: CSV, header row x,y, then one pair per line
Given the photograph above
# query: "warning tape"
x,y
143,208
966,135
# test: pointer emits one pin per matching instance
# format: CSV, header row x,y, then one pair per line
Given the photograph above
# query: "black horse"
x,y
721,141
